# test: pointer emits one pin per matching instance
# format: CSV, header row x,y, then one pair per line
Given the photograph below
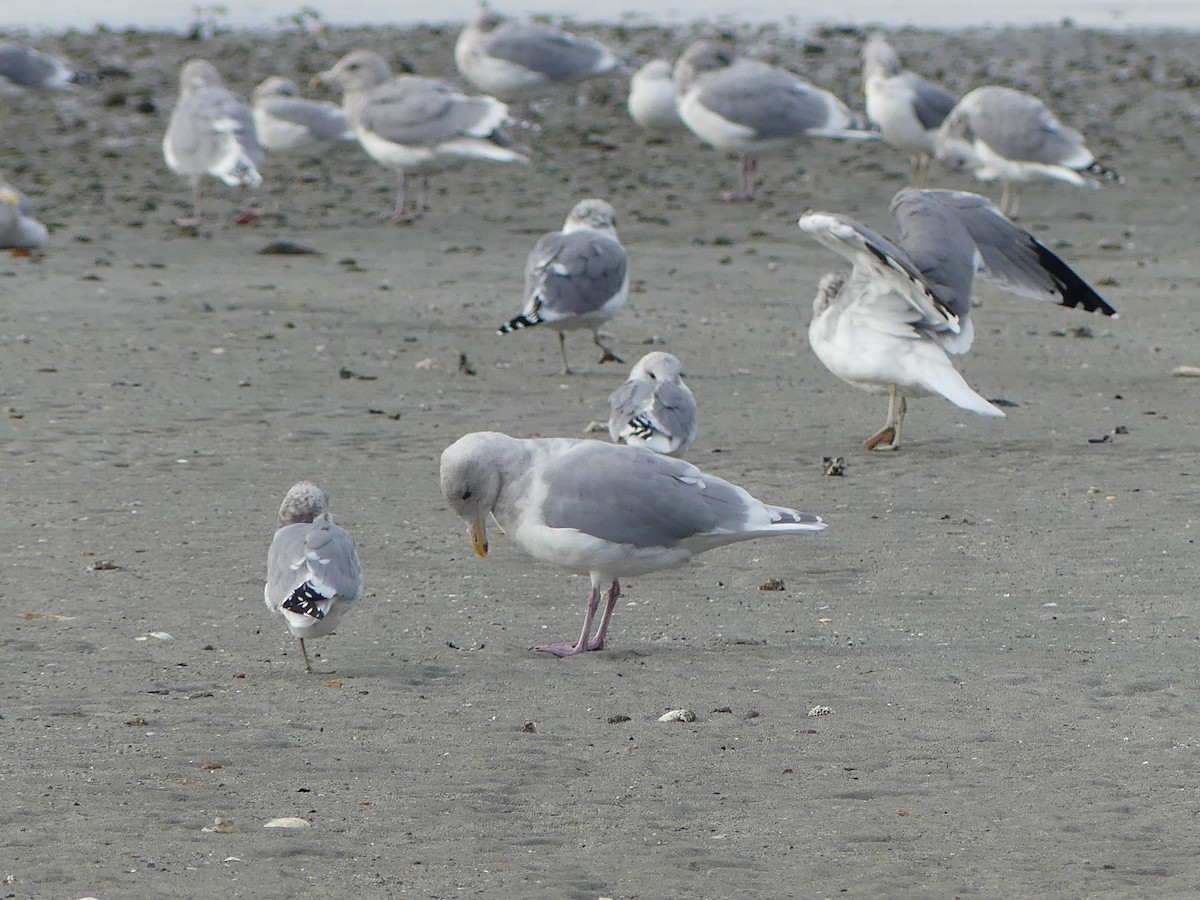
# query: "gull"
x,y
517,61
19,230
287,123
1001,133
418,126
23,68
576,278
600,509
753,109
905,107
313,573
652,98
211,132
654,408
889,326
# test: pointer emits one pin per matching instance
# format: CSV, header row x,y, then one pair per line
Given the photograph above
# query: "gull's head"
x,y
276,86
597,215
303,502
655,70
657,366
487,20
471,477
699,59
828,289
197,74
359,70
879,59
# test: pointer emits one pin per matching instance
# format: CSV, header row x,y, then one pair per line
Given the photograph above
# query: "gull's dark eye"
x,y
653,377
466,495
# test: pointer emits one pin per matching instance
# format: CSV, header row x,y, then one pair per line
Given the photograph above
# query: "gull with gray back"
x,y
654,408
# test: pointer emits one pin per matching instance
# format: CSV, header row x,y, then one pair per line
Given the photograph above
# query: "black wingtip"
x,y
516,324
1073,291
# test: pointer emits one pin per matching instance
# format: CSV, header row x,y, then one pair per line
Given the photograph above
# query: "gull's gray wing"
x,y
554,55
653,406
201,124
770,102
1018,126
18,229
931,103
416,111
1002,252
29,68
573,274
331,558
633,496
324,121
937,243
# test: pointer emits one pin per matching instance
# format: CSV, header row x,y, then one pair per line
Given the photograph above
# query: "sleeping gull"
x,y
418,126
211,132
313,574
19,230
753,109
905,107
654,408
289,124
1010,135
576,278
22,69
652,98
889,326
601,509
517,61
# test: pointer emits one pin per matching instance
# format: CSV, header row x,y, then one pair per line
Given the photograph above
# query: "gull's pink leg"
x,y
614,592
747,167
581,645
197,207
247,216
397,214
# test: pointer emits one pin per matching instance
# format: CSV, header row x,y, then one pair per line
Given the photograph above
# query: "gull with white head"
x,y
654,408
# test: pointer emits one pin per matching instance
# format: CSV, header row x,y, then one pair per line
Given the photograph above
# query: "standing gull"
x,y
601,510
19,230
906,108
652,98
576,278
313,574
517,61
291,125
654,408
753,109
889,326
211,132
418,126
1010,135
23,69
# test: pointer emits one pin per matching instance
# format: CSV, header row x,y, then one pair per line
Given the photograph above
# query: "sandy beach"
x,y
1000,622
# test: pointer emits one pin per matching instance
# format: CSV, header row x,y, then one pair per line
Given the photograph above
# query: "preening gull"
x,y
23,69
211,132
600,509
289,124
576,278
418,126
906,304
19,230
654,408
1001,133
313,573
652,98
753,109
517,61
905,107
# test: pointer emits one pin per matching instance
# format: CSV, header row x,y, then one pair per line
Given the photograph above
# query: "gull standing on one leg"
x,y
576,278
906,304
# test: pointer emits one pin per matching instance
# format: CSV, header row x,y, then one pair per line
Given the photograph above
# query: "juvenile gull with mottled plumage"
x,y
889,326
576,278
600,509
313,573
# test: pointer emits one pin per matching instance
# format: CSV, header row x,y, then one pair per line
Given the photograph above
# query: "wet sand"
x,y
1001,617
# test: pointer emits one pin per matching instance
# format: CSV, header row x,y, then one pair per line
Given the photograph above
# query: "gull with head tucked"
x,y
602,510
654,408
889,325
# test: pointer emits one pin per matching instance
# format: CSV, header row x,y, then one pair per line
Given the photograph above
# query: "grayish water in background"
x,y
58,15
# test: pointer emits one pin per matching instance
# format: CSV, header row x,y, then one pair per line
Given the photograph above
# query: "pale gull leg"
x,y
614,591
247,216
581,645
307,665
562,349
888,437
747,175
398,214
920,170
1010,200
197,206
608,356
